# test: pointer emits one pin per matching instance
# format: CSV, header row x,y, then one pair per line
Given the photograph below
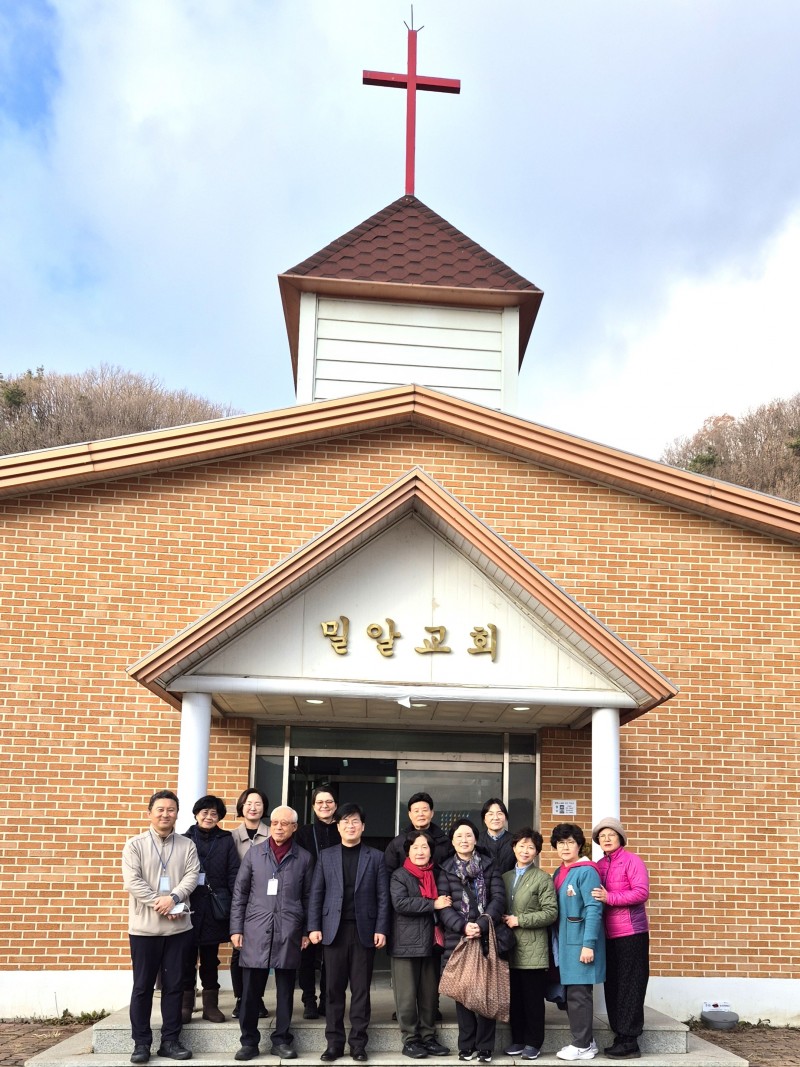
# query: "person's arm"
x,y
133,878
384,905
315,898
592,913
233,863
191,873
241,894
404,900
638,888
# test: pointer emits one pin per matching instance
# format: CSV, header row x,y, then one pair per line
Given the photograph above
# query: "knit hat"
x,y
608,824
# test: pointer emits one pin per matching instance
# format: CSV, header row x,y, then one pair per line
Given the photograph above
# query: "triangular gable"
x,y
413,406
553,610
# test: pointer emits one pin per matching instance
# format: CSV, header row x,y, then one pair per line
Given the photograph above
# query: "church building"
x,y
395,585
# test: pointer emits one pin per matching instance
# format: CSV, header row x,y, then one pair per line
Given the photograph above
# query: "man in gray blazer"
x,y
348,911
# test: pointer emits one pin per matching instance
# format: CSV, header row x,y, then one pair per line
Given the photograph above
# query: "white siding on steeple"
x,y
357,346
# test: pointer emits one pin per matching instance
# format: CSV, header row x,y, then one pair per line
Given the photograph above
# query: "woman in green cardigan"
x,y
532,907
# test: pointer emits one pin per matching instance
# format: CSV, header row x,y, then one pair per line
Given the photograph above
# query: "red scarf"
x,y
427,888
564,869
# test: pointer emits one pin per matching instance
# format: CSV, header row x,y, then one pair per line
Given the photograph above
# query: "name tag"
x,y
163,884
201,880
272,887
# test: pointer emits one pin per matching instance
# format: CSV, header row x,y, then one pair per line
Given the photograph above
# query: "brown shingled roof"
x,y
406,252
408,243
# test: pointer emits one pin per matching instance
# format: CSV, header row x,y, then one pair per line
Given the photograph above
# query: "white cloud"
x,y
720,345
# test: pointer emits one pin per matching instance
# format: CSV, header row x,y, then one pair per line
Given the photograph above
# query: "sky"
x,y
162,161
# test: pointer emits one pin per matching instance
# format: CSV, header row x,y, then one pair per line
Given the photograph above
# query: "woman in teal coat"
x,y
531,907
580,949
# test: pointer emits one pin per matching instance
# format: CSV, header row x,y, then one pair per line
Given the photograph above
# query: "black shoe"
x,y
262,1011
416,1050
310,1012
141,1054
484,1056
625,1050
330,1054
470,1055
173,1050
286,1052
359,1055
236,1008
246,1052
434,1048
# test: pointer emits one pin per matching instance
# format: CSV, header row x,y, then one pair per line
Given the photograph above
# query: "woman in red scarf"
x,y
415,947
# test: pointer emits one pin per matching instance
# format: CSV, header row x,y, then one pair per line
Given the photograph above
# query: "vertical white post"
x,y
605,767
193,758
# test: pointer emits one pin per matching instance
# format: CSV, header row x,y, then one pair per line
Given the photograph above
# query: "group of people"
x,y
284,896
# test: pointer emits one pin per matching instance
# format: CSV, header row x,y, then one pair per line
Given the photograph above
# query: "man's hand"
x,y
164,904
380,940
315,936
236,940
304,943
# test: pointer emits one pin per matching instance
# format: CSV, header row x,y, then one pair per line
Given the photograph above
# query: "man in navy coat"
x,y
348,911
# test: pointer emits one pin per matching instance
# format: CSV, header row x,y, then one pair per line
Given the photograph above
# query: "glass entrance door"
x,y
458,790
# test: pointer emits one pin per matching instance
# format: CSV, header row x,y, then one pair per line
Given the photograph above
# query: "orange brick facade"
x,y
96,576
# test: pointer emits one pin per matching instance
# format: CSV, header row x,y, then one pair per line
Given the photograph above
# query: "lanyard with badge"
x,y
164,885
272,883
201,878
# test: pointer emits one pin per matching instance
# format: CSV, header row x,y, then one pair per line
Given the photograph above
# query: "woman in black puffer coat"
x,y
478,895
219,865
416,946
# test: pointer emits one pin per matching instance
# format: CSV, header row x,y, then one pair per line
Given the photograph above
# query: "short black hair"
x,y
163,794
344,811
322,789
243,797
412,836
490,803
565,830
528,832
420,798
210,802
464,822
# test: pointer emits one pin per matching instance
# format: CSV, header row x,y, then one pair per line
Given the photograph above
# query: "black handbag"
x,y
220,902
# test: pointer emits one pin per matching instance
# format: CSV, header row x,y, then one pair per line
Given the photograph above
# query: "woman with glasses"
x,y
252,807
219,865
478,896
321,833
625,888
580,946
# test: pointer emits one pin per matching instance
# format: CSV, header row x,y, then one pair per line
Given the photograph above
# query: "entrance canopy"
x,y
409,610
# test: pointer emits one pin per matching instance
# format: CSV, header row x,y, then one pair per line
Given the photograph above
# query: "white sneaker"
x,y
572,1052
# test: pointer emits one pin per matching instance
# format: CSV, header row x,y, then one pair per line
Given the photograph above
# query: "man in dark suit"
x,y
348,911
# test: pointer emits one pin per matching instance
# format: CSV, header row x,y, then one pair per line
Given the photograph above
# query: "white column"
x,y
193,759
605,767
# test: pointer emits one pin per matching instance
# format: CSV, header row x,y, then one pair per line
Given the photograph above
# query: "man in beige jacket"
x,y
160,869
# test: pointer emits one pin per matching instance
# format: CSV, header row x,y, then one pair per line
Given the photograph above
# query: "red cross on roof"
x,y
411,81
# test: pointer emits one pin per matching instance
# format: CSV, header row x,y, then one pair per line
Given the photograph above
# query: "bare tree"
x,y
39,410
761,449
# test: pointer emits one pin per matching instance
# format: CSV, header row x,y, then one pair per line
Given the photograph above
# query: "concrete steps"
x,y
664,1043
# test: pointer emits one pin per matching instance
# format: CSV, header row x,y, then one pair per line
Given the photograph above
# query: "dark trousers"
x,y
627,974
527,1006
151,956
307,974
580,1012
474,1032
209,966
415,982
236,974
347,961
254,982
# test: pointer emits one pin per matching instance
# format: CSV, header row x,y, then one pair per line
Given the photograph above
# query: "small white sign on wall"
x,y
565,807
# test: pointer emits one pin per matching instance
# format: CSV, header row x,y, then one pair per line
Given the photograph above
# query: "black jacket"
x,y
501,851
450,885
413,917
442,848
316,835
219,859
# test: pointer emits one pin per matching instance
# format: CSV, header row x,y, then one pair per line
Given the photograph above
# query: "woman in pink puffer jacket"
x,y
625,888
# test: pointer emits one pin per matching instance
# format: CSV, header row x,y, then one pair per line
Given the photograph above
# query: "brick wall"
x,y
95,577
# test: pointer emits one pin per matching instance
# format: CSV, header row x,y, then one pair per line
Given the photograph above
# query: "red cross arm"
x,y
400,81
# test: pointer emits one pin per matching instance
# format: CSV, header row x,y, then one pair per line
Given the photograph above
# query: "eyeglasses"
x,y
280,822
350,822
